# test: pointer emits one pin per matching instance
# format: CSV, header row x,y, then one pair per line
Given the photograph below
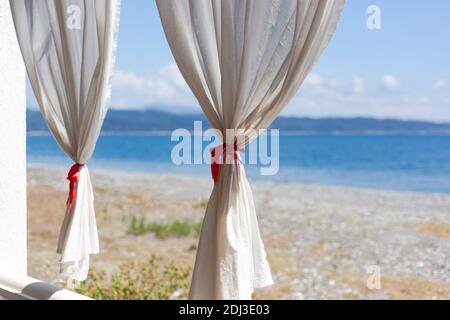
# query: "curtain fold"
x,y
68,47
243,60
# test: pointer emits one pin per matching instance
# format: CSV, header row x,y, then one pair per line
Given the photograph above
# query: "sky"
x,y
400,71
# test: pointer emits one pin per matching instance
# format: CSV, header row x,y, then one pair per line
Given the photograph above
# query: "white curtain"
x,y
243,60
68,47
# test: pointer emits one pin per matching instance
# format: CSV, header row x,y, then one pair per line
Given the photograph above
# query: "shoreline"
x,y
206,175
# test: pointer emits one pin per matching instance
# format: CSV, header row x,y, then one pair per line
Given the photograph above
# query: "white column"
x,y
13,210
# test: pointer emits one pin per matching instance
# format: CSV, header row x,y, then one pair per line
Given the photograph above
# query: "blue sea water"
x,y
414,163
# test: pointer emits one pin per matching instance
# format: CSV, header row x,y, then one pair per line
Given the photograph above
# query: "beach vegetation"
x,y
151,280
176,228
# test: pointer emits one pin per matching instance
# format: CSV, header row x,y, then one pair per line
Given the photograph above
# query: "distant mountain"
x,y
152,120
148,120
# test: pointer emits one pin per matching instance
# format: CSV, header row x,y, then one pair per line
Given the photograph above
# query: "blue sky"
x,y
401,71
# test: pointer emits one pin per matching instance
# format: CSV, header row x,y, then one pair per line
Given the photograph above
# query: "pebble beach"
x,y
322,242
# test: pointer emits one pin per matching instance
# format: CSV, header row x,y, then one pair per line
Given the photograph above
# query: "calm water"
x,y
417,163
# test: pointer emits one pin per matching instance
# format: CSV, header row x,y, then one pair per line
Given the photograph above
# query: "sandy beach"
x,y
320,240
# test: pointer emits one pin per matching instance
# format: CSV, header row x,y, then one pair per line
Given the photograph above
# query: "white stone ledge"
x,y
27,288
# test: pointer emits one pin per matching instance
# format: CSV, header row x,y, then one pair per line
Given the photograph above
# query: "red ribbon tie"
x,y
73,176
218,158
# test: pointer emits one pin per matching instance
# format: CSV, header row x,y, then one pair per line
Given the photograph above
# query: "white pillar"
x,y
13,210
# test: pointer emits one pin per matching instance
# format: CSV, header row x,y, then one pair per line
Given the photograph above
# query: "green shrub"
x,y
162,230
146,281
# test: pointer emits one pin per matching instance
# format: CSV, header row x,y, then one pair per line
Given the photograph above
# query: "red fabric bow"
x,y
218,157
73,176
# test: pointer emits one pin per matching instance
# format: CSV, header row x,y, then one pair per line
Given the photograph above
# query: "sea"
x,y
394,162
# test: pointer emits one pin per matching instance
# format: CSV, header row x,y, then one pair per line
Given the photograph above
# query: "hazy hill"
x,y
152,120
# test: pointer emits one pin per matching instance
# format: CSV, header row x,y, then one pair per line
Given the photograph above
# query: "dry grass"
x,y
398,288
114,210
440,230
